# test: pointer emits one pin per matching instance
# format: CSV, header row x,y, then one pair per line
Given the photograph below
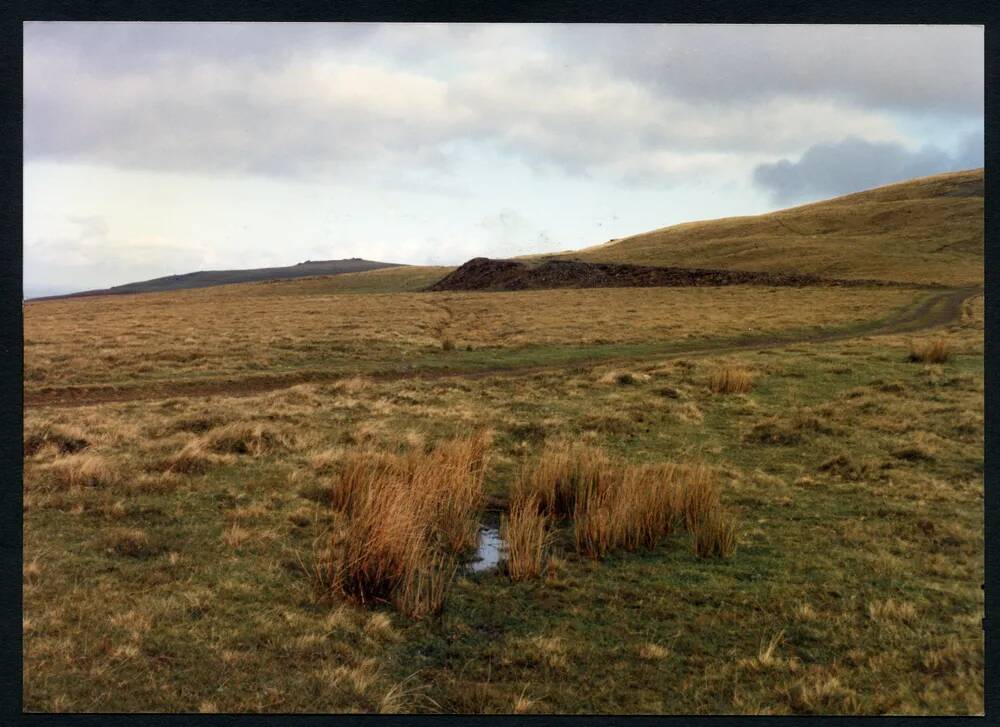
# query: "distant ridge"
x,y
208,278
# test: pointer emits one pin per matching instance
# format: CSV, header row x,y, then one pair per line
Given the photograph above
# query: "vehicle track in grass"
x,y
938,308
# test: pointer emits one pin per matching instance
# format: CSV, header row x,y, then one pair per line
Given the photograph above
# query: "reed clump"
x,y
525,531
730,380
937,350
616,505
405,520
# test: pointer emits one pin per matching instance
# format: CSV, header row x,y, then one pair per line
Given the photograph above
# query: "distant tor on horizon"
x,y
208,278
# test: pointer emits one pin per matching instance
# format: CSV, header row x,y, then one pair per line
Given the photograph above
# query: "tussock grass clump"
x,y
559,473
714,535
624,378
788,430
246,438
131,542
730,380
937,350
84,470
406,518
192,458
64,440
630,507
699,496
525,533
614,504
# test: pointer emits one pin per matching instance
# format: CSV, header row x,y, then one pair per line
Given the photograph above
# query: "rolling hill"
x,y
209,278
927,230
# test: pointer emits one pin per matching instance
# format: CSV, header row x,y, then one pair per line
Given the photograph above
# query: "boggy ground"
x,y
169,543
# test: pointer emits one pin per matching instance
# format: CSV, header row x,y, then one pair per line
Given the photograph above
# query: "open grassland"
x,y
181,553
924,230
233,334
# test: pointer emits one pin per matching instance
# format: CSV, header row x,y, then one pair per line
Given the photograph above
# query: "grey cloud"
x,y
854,164
347,100
923,69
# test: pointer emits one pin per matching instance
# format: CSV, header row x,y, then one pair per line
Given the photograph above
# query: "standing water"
x,y
489,551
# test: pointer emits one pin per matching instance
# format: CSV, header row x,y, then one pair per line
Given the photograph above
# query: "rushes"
x,y
730,380
559,474
937,350
714,535
615,505
406,519
526,537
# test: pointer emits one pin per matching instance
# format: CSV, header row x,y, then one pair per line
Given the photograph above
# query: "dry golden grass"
x,y
629,507
731,380
84,470
254,439
525,533
250,610
232,332
699,497
714,535
128,541
653,652
923,230
192,458
407,518
891,611
937,350
64,440
615,504
559,473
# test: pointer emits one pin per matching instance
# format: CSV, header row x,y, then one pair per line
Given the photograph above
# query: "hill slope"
x,y
208,278
927,230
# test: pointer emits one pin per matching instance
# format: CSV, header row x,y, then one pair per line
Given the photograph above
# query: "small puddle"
x,y
489,551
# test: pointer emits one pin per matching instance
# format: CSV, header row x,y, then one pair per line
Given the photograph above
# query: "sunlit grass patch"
x,y
407,517
731,380
85,470
937,350
525,531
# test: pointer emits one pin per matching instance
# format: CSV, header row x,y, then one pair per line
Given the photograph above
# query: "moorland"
x,y
758,498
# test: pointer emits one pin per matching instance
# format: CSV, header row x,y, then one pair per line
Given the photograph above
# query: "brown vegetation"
x,y
525,533
617,505
407,518
937,351
730,380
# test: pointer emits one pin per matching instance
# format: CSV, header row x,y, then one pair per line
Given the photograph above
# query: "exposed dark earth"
x,y
485,274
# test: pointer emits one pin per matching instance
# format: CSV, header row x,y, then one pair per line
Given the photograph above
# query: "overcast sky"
x,y
160,148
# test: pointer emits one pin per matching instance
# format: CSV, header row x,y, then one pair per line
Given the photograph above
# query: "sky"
x,y
154,149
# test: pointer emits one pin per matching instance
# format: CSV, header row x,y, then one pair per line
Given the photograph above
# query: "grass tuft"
x,y
64,440
714,535
525,533
730,380
84,470
407,517
936,351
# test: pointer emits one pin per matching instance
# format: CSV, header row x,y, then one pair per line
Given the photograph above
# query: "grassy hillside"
x,y
924,230
213,278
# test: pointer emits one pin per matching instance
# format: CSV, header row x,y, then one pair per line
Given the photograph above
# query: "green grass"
x,y
241,627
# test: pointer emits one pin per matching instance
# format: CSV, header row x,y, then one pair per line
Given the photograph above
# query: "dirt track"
x,y
940,308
